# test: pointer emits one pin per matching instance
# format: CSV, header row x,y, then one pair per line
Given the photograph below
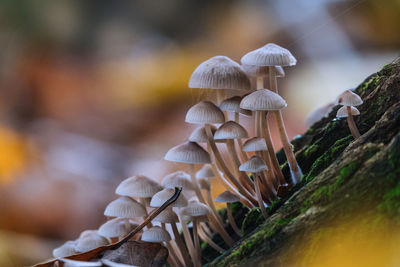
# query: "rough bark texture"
x,y
345,180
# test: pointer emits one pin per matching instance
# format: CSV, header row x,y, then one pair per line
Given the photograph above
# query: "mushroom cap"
x,y
342,112
203,218
65,250
159,199
256,71
319,113
255,164
125,207
86,233
166,216
348,98
76,263
230,130
189,152
156,234
116,228
255,144
269,55
178,179
263,99
90,242
199,134
109,263
205,112
195,208
205,172
204,183
138,186
231,104
227,197
219,72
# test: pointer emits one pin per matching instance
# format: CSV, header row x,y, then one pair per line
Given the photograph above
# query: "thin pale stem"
x,y
188,238
232,220
196,239
203,235
213,208
174,260
144,203
259,197
181,245
352,125
240,143
260,82
206,229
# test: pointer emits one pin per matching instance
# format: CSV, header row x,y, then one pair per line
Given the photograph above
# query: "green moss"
x,y
373,81
252,219
310,150
391,203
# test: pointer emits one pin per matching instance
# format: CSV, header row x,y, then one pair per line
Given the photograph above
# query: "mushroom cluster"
x,y
349,100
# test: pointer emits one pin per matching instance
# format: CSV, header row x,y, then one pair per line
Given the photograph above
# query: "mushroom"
x,y
272,55
191,153
125,207
65,250
228,198
116,229
109,263
350,99
260,73
318,113
75,263
89,242
344,112
255,165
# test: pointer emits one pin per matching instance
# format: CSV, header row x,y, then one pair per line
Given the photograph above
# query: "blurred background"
x,y
92,92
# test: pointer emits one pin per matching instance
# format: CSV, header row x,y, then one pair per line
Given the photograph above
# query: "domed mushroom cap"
x,y
199,134
65,250
116,228
219,72
205,172
161,197
269,55
231,104
90,242
75,263
86,233
189,152
166,216
348,98
230,130
177,179
156,234
263,99
319,113
205,112
195,209
254,71
138,186
255,164
125,207
227,197
342,112
204,183
255,144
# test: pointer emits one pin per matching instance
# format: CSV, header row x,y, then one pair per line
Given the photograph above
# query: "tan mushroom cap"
x,y
227,197
255,164
116,228
166,216
219,72
90,242
348,98
177,179
205,112
156,234
161,197
257,71
195,208
125,207
205,172
269,55
138,186
189,152
230,130
204,183
255,144
342,112
65,250
319,113
263,99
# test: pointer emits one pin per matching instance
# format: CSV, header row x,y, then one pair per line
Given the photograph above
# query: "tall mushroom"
x,y
228,198
349,100
343,112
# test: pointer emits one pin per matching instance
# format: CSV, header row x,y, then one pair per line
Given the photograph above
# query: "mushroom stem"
x,y
259,82
188,238
287,147
232,220
173,258
203,235
220,163
196,239
352,125
206,229
212,206
240,143
259,197
144,203
211,216
181,245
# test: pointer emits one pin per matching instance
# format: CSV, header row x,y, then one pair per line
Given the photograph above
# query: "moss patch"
x,y
391,203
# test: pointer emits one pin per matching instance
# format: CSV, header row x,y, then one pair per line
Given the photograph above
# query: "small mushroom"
x,y
349,99
89,242
75,263
349,112
65,250
116,228
228,198
177,179
125,207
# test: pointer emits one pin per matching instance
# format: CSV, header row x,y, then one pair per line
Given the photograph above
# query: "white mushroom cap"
x,y
342,112
204,183
230,130
255,164
156,234
263,99
195,209
319,113
254,71
166,216
205,172
125,207
161,197
65,250
199,134
177,179
189,152
86,233
231,104
269,55
90,242
75,263
219,72
227,197
205,112
348,98
138,186
116,228
255,144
